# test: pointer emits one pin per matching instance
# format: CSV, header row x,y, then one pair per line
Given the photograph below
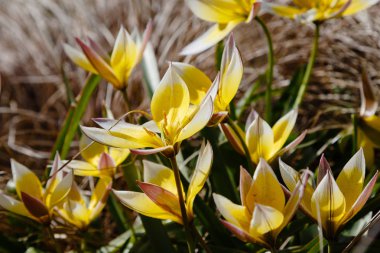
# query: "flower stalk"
x,y
309,68
269,72
189,237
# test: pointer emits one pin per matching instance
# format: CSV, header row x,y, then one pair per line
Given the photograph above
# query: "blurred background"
x,y
36,75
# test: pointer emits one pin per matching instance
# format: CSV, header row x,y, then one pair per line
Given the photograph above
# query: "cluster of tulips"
x,y
185,102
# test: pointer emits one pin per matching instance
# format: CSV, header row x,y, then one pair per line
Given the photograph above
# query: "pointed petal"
x,y
141,203
106,162
91,153
163,150
99,64
130,132
199,120
260,140
216,11
55,174
170,102
100,193
200,175
13,205
292,145
362,199
106,138
78,58
283,128
119,154
215,34
233,138
231,75
233,213
265,188
323,167
358,5
369,103
25,180
197,81
161,197
60,192
265,219
35,207
291,178
81,168
160,175
293,202
351,178
245,185
283,10
328,202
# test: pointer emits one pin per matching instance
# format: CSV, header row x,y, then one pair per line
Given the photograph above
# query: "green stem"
x,y
234,127
309,68
190,240
51,234
269,72
331,247
71,126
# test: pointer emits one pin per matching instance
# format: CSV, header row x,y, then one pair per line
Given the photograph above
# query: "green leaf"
x,y
116,244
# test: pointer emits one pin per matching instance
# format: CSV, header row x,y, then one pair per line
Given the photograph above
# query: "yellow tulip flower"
x,y
100,160
309,11
80,212
263,141
368,131
226,14
37,203
263,212
174,120
231,73
160,197
126,54
333,203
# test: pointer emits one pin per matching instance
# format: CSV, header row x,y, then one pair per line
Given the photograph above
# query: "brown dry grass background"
x,y
33,100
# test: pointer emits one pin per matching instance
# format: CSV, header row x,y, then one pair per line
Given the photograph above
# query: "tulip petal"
x,y
130,132
106,138
163,150
292,145
351,178
291,178
328,202
35,207
197,81
198,120
75,213
369,102
259,138
233,138
283,128
160,175
82,168
99,64
216,11
141,203
323,168
361,200
106,163
235,214
231,75
78,58
170,103
265,219
100,194
91,153
163,198
283,10
13,205
212,36
293,202
119,154
245,185
200,175
25,180
60,192
358,5
265,188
